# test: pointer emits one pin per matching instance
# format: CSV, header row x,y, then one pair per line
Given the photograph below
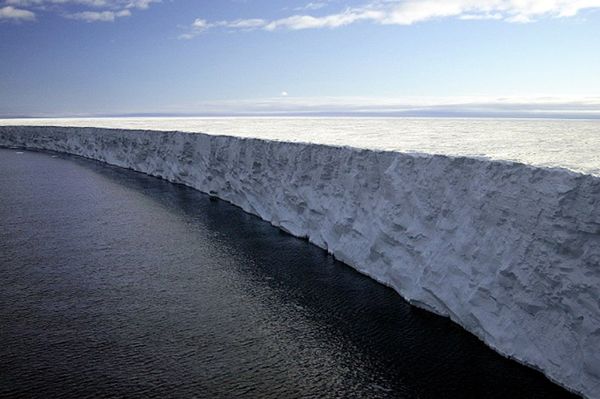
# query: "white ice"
x,y
571,144
509,251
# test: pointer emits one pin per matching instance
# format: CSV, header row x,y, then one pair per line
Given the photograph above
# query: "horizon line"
x,y
340,114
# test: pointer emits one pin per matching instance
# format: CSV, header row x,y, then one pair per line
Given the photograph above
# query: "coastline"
x,y
508,251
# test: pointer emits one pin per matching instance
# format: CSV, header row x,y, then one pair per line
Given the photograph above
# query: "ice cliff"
x,y
508,251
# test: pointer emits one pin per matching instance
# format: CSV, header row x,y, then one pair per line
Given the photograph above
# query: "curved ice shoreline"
x,y
508,251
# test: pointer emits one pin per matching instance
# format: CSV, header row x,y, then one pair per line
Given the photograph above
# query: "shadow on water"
x,y
139,287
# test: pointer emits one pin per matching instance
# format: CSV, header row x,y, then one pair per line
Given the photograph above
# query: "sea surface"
x,y
567,143
117,284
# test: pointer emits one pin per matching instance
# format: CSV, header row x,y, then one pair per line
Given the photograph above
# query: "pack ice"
x,y
509,251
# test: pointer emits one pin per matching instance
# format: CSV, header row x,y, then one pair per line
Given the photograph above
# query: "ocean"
x,y
118,284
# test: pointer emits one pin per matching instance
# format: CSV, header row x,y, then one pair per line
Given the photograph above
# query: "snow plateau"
x,y
510,252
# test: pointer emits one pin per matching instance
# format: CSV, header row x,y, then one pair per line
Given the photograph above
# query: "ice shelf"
x,y
509,251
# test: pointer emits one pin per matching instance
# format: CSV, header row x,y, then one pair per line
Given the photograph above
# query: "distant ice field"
x,y
571,144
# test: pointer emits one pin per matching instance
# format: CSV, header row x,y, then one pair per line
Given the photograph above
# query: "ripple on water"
x,y
118,284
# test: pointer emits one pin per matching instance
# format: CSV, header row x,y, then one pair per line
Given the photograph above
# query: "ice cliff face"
x,y
508,251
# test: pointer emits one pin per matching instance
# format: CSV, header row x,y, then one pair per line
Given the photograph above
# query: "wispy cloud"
x,y
317,5
16,14
408,12
85,10
99,16
411,106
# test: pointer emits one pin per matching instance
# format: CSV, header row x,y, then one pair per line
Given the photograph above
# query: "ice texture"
x,y
509,251
571,144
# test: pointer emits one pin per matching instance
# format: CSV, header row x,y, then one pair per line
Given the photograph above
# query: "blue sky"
x,y
93,57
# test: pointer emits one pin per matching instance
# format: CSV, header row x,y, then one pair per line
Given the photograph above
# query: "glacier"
x,y
509,251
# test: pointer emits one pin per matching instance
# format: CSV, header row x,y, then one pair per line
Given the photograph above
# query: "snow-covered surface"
x,y
571,144
508,251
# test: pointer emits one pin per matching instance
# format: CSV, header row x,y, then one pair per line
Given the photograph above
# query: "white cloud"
x,y
312,6
85,10
408,12
99,16
141,4
16,14
244,23
298,22
198,26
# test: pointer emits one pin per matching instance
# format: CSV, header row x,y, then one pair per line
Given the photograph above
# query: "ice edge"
x,y
509,251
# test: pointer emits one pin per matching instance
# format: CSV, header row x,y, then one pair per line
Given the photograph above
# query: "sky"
x,y
383,57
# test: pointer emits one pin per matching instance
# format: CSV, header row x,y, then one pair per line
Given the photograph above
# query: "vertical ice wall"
x,y
508,251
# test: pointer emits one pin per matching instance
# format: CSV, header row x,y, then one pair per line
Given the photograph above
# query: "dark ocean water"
x,y
117,284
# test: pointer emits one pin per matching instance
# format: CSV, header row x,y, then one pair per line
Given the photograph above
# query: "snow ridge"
x,y
508,251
